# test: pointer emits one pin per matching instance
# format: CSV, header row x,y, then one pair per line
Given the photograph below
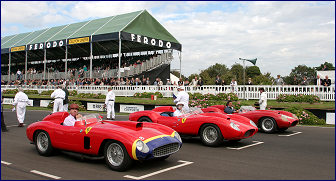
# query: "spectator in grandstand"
x,y
194,82
127,81
200,82
137,82
109,103
85,68
223,82
218,81
122,82
249,82
279,80
168,82
326,82
144,81
318,81
180,82
175,84
132,82
160,83
233,85
229,108
304,81
59,96
263,99
182,96
156,81
18,75
148,81
186,82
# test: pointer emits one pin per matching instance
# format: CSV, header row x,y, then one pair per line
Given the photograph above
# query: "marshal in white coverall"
x,y
183,97
263,101
109,102
59,96
20,101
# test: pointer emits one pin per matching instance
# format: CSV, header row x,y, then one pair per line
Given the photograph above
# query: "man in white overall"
x,y
59,96
109,103
183,97
263,99
20,101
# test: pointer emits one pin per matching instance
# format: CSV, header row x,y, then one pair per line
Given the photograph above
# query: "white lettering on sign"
x,y
95,106
132,37
145,40
151,41
131,108
139,38
48,45
160,43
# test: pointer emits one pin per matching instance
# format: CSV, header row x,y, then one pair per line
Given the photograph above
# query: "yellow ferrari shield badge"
x,y
87,130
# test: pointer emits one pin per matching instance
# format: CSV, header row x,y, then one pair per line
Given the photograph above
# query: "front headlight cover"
x,y
284,117
253,124
141,146
177,136
234,126
294,116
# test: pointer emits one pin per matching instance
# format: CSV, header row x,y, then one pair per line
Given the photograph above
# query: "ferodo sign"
x,y
53,44
78,40
131,108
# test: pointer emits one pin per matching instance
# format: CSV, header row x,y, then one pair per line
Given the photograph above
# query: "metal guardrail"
x,y
243,92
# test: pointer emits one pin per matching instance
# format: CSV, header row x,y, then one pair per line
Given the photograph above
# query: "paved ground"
x,y
300,153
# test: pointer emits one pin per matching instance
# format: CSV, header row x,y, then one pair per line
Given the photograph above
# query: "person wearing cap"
x,y
20,101
73,115
183,97
59,96
179,109
109,103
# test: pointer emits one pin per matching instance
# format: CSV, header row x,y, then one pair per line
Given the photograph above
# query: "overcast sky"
x,y
281,35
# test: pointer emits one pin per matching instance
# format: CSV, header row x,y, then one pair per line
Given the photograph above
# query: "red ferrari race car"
x,y
119,142
268,121
211,127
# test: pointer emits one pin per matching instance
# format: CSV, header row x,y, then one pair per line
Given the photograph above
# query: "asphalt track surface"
x,y
301,152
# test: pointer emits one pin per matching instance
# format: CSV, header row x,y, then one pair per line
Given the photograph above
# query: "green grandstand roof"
x,y
101,30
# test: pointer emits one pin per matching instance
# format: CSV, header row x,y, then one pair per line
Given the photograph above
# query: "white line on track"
x,y
45,174
314,126
6,163
296,132
254,144
184,163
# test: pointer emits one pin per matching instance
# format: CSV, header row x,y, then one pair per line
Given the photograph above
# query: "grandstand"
x,y
126,45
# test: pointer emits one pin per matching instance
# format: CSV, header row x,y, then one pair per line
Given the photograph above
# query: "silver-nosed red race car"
x,y
268,121
213,128
120,142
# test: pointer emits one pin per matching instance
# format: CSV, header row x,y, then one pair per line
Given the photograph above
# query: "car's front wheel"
x,y
116,156
268,125
43,143
211,135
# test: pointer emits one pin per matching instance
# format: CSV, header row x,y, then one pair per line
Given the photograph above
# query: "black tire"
x,y
268,125
43,143
282,129
145,119
116,156
211,135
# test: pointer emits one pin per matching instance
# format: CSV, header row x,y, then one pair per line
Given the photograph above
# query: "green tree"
x,y
177,74
261,79
252,71
299,72
237,71
207,79
329,66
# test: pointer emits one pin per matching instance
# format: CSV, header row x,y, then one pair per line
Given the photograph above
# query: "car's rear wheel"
x,y
268,125
116,156
211,135
43,143
145,119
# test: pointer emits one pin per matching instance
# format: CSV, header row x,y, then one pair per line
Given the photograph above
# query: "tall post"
x,y
91,56
119,56
244,78
66,62
45,63
180,64
26,64
9,66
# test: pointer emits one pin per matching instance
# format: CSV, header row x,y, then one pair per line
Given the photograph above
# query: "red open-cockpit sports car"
x,y
119,142
213,128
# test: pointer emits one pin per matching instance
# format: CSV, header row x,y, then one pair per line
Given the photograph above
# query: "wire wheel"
x,y
43,144
211,135
268,125
115,154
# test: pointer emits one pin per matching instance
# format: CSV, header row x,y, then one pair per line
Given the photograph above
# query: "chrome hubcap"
x,y
42,141
267,124
210,134
115,154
